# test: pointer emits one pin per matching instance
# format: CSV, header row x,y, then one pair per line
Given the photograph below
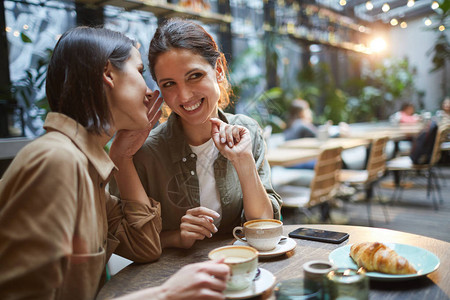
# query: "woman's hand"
x,y
127,142
197,224
233,141
202,281
206,280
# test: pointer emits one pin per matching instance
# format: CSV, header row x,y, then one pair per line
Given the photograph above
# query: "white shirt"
x,y
209,194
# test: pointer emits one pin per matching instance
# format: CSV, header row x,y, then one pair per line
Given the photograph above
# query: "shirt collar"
x,y
176,138
85,141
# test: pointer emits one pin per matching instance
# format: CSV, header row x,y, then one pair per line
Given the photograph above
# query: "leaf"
x,y
25,38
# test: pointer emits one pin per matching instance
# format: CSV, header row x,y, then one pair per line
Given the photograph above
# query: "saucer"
x,y
265,281
287,245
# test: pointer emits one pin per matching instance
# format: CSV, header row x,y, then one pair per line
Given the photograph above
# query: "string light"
x,y
385,7
342,2
25,27
16,33
369,5
427,21
410,3
8,29
403,25
394,22
434,5
441,28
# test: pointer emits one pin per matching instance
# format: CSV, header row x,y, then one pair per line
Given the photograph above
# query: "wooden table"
x,y
289,157
434,286
314,143
393,132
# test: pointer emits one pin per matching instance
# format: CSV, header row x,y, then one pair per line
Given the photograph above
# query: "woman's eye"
x,y
142,71
196,76
167,84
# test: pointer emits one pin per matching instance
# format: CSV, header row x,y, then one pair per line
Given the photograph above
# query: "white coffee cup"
x,y
243,262
262,234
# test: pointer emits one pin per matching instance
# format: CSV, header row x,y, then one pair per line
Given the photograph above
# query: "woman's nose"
x,y
184,93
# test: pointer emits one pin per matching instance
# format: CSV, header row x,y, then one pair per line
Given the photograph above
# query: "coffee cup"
x,y
262,234
243,263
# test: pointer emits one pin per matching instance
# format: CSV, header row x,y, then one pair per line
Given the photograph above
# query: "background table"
x,y
434,286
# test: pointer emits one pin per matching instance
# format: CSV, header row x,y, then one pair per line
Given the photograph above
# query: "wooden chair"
x,y
404,164
367,179
323,188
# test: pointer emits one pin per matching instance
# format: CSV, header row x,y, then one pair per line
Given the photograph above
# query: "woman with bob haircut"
x,y
58,225
207,168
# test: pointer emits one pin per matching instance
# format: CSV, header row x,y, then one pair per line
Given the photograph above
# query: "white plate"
x,y
422,260
265,281
284,246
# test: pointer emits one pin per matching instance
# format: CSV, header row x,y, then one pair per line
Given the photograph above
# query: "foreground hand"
x,y
202,281
206,280
127,142
197,224
233,141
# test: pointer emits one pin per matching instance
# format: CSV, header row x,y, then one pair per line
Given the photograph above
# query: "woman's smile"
x,y
192,107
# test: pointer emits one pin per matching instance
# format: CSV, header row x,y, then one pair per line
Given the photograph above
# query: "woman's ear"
x,y
219,72
108,76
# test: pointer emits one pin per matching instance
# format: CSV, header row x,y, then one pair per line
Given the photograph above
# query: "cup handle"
x,y
238,228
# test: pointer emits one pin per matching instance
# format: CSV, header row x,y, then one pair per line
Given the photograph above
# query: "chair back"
x,y
326,172
441,137
376,164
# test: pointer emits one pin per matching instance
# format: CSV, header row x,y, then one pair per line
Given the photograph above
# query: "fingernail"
x,y
231,144
216,214
210,235
215,229
222,140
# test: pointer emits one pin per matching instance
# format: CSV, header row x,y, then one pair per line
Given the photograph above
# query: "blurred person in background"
x,y
406,114
300,122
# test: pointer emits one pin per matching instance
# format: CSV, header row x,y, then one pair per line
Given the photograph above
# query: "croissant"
x,y
380,258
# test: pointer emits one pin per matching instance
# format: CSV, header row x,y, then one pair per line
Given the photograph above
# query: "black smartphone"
x,y
319,235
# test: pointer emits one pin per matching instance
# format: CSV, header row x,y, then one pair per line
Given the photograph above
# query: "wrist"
x,y
243,161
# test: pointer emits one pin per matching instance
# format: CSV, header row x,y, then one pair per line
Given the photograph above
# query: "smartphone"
x,y
319,235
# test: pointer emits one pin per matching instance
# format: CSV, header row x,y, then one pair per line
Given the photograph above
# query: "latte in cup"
x,y
263,234
243,263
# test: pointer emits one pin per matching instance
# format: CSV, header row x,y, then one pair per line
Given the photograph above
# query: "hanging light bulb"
x,y
403,25
410,3
434,5
385,7
369,5
441,28
427,21
394,22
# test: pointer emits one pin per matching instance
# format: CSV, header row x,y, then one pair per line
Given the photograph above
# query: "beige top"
x,y
58,225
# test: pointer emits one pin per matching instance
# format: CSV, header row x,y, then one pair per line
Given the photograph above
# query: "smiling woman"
x,y
206,168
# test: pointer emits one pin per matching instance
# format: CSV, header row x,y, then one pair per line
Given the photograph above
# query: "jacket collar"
x,y
178,146
85,141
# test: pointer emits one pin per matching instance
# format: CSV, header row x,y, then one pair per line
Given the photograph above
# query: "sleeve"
x,y
263,167
136,226
38,205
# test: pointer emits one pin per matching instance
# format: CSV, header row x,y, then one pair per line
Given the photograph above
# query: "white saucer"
x,y
287,245
265,281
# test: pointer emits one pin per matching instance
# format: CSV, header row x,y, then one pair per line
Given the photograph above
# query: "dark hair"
x,y
406,105
74,79
182,34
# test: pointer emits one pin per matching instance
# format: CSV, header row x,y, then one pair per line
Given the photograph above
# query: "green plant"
x,y
316,85
373,96
29,92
